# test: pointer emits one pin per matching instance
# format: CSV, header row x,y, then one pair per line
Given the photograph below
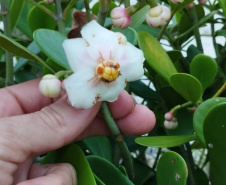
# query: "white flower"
x,y
103,62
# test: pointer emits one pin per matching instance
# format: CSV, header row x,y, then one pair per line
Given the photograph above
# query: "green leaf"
x,y
164,141
50,42
142,172
130,34
37,18
221,33
15,11
215,136
201,113
171,169
185,125
22,61
139,17
187,85
200,22
22,22
17,49
74,155
107,172
99,146
142,90
204,68
155,55
222,4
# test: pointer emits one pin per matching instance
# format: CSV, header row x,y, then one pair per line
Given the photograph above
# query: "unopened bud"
x,y
170,125
158,16
120,18
191,5
50,86
168,116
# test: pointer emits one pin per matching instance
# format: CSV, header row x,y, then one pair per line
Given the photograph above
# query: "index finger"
x,y
22,98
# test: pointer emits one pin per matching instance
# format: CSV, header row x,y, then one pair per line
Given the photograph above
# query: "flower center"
x,y
108,70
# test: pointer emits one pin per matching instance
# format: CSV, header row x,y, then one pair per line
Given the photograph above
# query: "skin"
x,y
29,119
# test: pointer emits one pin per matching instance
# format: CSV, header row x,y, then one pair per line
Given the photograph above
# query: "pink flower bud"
x,y
202,1
170,125
177,1
158,16
120,18
50,86
191,5
168,116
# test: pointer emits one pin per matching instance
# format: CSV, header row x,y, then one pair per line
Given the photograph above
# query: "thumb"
x,y
45,130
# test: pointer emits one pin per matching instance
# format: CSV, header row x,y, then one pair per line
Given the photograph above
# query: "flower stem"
x,y
118,137
152,3
134,8
194,19
222,89
165,26
7,31
86,2
68,8
103,10
44,9
126,3
176,108
59,17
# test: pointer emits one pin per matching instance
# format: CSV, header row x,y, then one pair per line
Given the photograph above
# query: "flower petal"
x,y
131,61
81,90
93,33
110,91
78,55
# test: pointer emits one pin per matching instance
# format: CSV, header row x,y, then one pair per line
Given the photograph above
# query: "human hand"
x,y
31,124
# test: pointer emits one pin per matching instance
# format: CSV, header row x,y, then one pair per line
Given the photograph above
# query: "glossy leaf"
x,y
185,124
22,61
187,86
221,33
139,17
204,68
142,90
215,136
222,4
107,172
99,146
17,49
22,21
130,34
201,113
171,169
164,141
15,11
37,18
50,42
142,172
155,55
199,23
74,155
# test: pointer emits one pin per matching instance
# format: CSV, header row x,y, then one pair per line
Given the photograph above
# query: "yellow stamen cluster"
x,y
108,71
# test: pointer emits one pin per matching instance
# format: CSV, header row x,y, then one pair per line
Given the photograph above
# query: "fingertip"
x,y
140,121
122,106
